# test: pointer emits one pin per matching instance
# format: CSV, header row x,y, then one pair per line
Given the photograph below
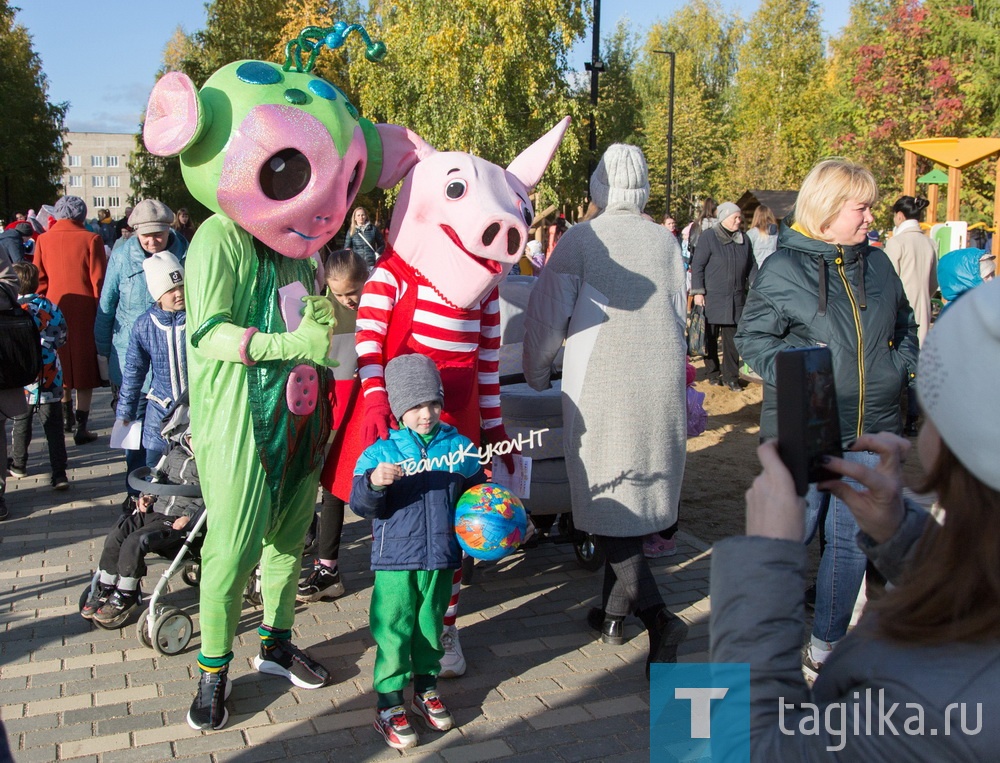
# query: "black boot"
x,y
666,632
611,627
68,421
82,436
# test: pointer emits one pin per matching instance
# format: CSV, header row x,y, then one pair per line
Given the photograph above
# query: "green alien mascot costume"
x,y
279,154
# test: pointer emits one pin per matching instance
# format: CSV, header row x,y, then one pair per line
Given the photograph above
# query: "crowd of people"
x,y
608,287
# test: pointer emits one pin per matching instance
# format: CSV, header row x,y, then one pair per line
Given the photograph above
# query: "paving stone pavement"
x,y
538,686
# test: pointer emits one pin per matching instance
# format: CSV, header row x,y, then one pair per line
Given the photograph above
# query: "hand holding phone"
x,y
808,417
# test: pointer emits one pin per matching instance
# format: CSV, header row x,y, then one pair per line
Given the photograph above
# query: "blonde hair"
x,y
827,186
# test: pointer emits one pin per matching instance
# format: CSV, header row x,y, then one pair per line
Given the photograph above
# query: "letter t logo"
x,y
701,708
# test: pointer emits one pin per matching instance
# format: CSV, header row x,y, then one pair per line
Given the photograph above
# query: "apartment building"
x,y
96,169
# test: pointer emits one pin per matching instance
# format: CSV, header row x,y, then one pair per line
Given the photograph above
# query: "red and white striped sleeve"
x,y
489,360
377,301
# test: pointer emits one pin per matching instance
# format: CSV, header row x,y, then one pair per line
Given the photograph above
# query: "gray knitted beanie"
x,y
621,178
411,380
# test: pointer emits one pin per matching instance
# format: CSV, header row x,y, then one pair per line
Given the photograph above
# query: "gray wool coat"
x,y
758,612
613,290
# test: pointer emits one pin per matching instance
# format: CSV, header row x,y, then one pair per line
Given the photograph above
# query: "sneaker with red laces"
x,y
394,726
432,710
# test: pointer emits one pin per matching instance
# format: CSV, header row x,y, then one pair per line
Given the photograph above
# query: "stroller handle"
x,y
138,479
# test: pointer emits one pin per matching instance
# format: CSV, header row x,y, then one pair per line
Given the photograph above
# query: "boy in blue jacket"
x,y
408,485
157,341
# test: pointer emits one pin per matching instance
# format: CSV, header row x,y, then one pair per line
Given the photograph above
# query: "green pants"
x,y
242,531
406,616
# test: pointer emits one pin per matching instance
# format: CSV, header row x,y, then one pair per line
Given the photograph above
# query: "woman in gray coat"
x,y
916,679
613,290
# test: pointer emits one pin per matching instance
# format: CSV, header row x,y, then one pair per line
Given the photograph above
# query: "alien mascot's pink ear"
x,y
401,150
530,164
175,116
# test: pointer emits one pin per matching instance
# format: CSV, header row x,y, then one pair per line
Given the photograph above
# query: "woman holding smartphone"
x,y
826,286
923,659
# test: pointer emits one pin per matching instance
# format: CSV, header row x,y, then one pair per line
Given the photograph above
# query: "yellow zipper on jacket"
x,y
861,341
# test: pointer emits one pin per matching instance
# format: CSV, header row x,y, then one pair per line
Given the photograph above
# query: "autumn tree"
x,y
480,76
31,128
779,98
899,88
704,39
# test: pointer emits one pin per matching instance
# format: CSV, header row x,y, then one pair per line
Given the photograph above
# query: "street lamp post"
x,y
595,67
670,127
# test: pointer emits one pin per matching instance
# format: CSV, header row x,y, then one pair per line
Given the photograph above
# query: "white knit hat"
x,y
959,366
163,273
621,178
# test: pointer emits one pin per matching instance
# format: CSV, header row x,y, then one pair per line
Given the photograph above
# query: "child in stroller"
x,y
173,491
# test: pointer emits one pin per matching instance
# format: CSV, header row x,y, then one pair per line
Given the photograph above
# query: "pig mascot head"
x,y
461,221
278,150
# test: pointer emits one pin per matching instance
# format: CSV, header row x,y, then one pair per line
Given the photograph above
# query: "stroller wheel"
x,y
172,631
588,550
253,594
84,596
142,629
192,574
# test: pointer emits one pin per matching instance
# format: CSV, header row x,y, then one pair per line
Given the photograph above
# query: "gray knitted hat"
x,y
726,209
621,178
71,208
411,380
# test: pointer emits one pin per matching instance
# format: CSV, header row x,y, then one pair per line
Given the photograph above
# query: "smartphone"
x,y
808,419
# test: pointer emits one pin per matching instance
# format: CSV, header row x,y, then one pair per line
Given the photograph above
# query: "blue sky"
x,y
102,57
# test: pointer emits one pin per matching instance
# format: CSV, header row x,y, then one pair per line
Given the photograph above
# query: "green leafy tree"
x,y
705,41
895,86
779,98
479,76
618,106
31,128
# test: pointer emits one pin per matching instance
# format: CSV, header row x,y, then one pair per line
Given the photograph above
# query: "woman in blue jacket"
x,y
125,297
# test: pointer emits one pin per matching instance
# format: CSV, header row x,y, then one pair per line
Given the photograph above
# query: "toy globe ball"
x,y
490,522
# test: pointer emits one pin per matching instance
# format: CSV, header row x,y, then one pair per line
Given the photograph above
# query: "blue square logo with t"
x,y
699,712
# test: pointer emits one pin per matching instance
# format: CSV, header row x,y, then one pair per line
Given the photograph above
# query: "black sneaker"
x,y
208,711
323,583
118,606
60,481
98,596
286,659
17,472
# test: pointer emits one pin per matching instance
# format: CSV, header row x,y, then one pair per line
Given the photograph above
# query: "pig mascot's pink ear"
x,y
401,150
530,164
175,116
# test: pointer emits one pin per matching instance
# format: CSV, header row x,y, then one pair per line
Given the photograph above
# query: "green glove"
x,y
310,341
322,309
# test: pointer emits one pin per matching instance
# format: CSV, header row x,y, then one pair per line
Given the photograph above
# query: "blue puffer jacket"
x,y
414,518
124,298
157,344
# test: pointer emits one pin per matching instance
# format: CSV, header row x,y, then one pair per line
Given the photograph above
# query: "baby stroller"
x,y
165,628
524,410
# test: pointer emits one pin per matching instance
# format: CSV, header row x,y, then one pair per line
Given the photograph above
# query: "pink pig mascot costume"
x,y
279,154
458,227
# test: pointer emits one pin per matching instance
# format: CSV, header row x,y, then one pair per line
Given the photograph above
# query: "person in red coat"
x,y
71,265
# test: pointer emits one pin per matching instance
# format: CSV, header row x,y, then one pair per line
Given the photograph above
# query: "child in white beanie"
x,y
156,343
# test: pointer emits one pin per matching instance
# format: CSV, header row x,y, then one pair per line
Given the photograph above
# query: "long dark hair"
x,y
951,592
911,207
708,210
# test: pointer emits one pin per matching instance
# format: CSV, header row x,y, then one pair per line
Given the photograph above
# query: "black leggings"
x,y
331,526
629,585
